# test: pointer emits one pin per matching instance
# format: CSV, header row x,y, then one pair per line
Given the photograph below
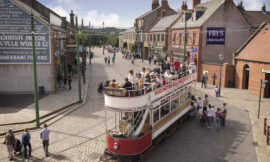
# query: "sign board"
x,y
215,36
16,37
115,91
266,71
193,50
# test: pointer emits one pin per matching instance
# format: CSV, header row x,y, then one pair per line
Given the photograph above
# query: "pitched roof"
x,y
257,47
255,18
164,23
209,8
129,30
148,13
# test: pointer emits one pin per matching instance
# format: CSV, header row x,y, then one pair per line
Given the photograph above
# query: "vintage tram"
x,y
134,119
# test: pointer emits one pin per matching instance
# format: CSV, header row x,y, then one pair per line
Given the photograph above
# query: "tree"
x,y
132,47
113,40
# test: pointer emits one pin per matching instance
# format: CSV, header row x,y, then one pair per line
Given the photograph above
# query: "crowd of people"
x,y
207,112
15,145
150,79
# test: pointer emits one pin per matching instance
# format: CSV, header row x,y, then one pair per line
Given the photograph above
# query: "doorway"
x,y
246,77
267,88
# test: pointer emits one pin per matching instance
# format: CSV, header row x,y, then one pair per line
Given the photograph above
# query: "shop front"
x,y
157,50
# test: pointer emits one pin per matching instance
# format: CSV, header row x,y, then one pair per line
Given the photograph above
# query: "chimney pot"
x,y
195,3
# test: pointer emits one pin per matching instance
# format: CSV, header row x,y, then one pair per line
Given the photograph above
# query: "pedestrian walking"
x,y
210,115
105,59
224,115
65,81
113,59
26,142
109,60
155,60
132,60
149,59
59,80
205,80
44,136
10,141
217,91
69,82
218,115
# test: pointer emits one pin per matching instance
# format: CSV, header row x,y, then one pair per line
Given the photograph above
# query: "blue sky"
x,y
120,13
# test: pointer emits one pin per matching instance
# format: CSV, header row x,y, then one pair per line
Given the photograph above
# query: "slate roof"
x,y
129,30
147,13
255,18
165,22
257,47
209,8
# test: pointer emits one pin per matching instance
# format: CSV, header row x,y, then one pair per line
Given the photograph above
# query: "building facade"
x,y
16,46
128,38
252,62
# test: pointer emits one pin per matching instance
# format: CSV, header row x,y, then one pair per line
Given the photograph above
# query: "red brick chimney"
x,y
184,6
228,1
164,3
155,4
195,3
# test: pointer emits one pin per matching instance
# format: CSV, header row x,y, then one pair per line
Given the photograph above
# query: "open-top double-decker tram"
x,y
135,118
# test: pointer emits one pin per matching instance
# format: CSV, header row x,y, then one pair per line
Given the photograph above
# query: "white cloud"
x,y
110,19
60,11
253,4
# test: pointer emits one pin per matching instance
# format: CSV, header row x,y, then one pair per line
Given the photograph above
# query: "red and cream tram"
x,y
134,119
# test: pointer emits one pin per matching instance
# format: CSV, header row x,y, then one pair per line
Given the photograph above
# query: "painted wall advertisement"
x,y
16,38
215,36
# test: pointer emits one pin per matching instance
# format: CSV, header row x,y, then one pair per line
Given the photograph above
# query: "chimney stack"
x,y
72,18
164,3
228,1
195,3
264,8
184,6
155,4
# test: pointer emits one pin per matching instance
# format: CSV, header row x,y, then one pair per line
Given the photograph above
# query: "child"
x,y
217,91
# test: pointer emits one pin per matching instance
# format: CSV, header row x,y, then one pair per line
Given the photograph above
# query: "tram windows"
x,y
165,109
156,115
175,104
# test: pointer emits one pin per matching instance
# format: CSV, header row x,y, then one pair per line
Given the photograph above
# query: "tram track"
x,y
156,142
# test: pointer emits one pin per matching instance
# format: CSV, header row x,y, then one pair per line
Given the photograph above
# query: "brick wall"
x,y
255,75
227,74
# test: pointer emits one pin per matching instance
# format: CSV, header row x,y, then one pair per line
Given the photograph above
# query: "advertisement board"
x,y
215,36
16,37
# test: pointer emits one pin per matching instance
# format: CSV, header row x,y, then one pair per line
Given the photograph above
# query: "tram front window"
x,y
123,124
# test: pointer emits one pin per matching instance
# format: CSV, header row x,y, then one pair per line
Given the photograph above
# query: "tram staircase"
x,y
49,119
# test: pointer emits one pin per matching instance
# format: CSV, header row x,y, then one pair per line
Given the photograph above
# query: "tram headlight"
x,y
116,145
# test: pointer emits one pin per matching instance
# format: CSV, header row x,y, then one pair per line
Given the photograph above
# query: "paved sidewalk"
x,y
48,104
244,100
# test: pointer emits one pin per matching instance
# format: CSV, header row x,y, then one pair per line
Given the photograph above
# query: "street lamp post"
x,y
78,63
262,85
89,41
84,58
103,37
35,71
221,58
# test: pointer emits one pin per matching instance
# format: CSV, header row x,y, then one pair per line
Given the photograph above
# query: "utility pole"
x,y
142,46
78,62
35,71
84,58
185,40
103,37
89,41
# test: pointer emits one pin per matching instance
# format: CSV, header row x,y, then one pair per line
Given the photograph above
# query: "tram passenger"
x,y
154,85
107,83
127,85
143,72
131,77
114,84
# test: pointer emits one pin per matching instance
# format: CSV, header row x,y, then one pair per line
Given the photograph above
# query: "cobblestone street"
x,y
80,136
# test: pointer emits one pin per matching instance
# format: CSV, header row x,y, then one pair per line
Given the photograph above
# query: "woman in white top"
x,y
132,77
210,115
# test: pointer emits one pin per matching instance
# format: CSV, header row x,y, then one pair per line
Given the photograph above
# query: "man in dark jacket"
x,y
127,85
9,141
26,142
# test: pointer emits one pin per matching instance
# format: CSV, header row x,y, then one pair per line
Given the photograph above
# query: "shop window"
x,y
174,38
180,38
158,37
162,37
194,38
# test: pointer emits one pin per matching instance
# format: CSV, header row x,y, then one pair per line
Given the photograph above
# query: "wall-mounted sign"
x,y
16,38
266,71
193,50
215,36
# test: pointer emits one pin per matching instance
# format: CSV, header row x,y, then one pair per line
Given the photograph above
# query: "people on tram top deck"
x,y
127,85
132,77
114,84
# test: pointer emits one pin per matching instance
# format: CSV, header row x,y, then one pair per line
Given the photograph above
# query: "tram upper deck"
x,y
119,99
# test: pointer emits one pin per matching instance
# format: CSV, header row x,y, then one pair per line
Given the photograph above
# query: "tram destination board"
x,y
16,36
115,91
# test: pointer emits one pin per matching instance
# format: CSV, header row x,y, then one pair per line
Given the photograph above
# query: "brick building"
x,y
128,37
51,34
252,62
145,22
159,37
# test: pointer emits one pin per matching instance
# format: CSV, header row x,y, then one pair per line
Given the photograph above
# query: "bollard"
x,y
268,136
265,126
